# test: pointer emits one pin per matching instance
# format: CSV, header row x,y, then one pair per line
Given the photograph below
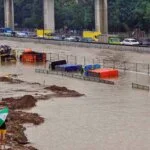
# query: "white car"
x,y
71,38
21,34
130,41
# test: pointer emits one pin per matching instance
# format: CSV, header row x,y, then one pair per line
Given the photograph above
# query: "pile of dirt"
x,y
9,80
24,117
63,91
5,79
56,88
15,137
27,101
16,130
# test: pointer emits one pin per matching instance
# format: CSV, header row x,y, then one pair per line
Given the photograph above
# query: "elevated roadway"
x,y
80,44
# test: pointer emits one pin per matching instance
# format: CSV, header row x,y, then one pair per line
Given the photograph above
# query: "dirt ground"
x,y
15,137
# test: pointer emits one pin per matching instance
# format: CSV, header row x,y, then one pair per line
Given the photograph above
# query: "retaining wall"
x,y
139,86
76,76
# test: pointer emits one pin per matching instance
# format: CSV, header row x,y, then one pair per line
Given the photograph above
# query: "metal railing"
x,y
127,66
139,86
83,60
121,65
74,75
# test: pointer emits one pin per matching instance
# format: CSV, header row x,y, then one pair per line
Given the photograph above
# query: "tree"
x,y
124,15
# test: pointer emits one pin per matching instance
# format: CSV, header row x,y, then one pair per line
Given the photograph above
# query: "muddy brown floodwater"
x,y
108,117
15,137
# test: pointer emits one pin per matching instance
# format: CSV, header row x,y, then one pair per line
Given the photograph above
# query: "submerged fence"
x,y
76,76
139,86
121,65
128,66
105,63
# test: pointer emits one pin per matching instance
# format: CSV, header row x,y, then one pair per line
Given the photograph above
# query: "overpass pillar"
x,y
9,13
49,21
101,16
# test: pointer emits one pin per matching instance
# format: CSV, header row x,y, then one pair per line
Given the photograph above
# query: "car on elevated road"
x,y
22,34
145,42
87,40
130,41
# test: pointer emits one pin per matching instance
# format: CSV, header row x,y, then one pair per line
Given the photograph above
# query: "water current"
x,y
108,117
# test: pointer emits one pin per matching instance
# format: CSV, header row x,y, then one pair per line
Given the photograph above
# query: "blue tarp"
x,y
90,67
96,66
68,67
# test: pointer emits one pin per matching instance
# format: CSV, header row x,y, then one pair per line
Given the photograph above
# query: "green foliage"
x,y
73,15
129,14
124,15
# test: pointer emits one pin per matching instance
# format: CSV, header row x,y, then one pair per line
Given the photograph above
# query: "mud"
x,y
10,80
59,91
5,79
63,91
24,102
15,137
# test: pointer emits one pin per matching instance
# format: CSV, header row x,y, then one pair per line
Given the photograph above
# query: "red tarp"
x,y
104,73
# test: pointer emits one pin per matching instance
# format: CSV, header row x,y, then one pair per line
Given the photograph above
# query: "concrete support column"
x,y
9,13
101,16
49,18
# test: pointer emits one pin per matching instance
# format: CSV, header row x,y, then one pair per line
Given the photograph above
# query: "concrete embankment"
x,y
79,44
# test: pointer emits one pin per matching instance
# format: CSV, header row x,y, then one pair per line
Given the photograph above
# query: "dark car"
x,y
145,42
87,40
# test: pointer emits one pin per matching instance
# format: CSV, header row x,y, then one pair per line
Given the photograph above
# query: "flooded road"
x,y
108,117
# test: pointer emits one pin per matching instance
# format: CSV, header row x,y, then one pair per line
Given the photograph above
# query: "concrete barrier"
x,y
139,86
79,44
76,76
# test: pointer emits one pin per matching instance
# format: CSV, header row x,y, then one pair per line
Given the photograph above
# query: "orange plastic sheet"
x,y
104,73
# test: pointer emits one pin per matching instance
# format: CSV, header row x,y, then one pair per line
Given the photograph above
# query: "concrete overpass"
x,y
101,16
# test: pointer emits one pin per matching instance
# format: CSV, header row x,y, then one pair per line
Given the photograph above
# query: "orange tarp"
x,y
27,50
33,57
28,58
105,72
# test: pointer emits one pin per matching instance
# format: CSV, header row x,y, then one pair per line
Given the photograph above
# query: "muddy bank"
x,y
10,79
63,91
59,91
15,137
24,102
